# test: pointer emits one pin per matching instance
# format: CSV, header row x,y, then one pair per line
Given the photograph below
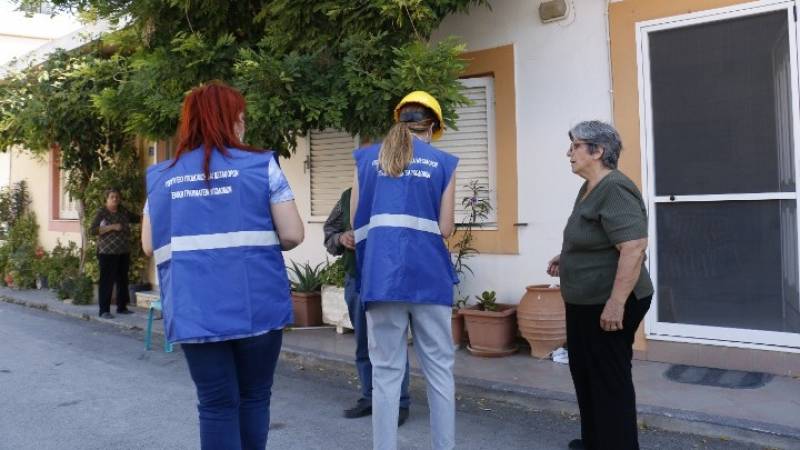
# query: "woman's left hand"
x,y
613,312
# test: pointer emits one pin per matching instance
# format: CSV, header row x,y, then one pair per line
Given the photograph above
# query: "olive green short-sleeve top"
x,y
612,213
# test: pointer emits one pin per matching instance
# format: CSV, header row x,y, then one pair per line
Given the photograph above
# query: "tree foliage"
x,y
302,64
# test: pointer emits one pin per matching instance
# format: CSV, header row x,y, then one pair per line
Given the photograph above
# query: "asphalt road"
x,y
72,384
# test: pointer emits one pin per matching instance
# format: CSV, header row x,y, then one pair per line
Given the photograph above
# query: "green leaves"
x,y
306,278
301,64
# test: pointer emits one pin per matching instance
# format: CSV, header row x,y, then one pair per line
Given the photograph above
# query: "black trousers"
x,y
113,270
600,363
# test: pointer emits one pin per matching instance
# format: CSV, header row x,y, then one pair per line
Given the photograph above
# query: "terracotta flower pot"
x,y
542,320
307,307
457,322
491,333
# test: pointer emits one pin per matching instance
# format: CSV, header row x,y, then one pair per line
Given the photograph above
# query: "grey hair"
x,y
599,134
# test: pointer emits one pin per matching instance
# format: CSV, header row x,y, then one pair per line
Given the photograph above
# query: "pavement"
x,y
68,384
765,417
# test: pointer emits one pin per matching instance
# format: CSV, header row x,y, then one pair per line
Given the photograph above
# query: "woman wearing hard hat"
x,y
403,207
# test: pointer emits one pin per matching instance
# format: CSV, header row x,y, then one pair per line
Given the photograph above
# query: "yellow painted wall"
x,y
36,171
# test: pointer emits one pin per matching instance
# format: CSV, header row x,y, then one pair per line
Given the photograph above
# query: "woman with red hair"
x,y
216,219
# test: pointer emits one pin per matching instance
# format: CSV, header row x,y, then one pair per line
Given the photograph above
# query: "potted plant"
x,y
542,319
477,208
334,306
491,326
306,297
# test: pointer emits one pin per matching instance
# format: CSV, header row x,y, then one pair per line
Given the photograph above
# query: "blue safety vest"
x,y
220,268
400,253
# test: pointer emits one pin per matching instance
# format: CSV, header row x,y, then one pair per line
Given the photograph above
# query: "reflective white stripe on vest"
x,y
215,241
397,220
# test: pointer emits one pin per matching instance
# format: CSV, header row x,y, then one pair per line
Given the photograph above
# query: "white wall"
x,y
20,34
312,249
562,77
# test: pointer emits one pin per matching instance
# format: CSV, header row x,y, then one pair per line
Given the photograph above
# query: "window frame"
x,y
704,334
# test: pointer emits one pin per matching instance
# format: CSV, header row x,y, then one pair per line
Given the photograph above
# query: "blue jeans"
x,y
358,318
234,385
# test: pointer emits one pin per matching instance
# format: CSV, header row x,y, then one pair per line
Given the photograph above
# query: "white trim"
x,y
162,254
397,220
720,336
216,241
713,15
725,197
719,343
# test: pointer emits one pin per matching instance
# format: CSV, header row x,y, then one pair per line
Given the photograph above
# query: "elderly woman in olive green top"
x,y
606,288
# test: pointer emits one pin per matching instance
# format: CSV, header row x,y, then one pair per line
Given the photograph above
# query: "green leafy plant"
x,y
82,290
334,273
306,278
487,301
477,209
14,201
63,265
19,254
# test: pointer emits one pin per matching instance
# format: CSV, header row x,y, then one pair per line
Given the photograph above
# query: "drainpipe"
x,y
610,72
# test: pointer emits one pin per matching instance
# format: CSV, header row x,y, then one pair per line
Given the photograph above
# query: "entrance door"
x,y
720,129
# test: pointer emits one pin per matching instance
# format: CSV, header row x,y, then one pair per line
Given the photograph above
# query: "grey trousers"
x,y
387,327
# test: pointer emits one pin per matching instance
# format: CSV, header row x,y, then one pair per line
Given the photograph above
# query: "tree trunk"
x,y
84,233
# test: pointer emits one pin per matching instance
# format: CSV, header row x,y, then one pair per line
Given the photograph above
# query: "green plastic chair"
x,y
148,336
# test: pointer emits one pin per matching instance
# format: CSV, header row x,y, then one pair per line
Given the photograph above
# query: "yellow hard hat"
x,y
427,100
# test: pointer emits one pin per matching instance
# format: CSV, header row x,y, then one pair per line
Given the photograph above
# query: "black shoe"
x,y
576,444
401,419
362,408
106,315
124,311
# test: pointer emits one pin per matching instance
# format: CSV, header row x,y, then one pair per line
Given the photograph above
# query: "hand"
x,y
611,318
348,240
552,266
116,227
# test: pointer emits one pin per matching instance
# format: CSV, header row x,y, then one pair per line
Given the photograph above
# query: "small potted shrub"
x,y
306,283
477,209
491,326
334,306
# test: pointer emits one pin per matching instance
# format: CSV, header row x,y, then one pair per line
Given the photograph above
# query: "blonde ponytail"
x,y
397,150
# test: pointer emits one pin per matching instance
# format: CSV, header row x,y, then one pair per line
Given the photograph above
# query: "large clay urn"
x,y
542,320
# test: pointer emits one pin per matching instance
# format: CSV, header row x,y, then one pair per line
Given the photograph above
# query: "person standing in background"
x,y
339,240
111,225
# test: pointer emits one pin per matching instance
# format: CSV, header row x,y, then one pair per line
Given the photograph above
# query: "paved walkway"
x,y
768,416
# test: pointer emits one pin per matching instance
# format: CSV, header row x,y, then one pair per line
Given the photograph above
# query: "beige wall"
x,y
36,171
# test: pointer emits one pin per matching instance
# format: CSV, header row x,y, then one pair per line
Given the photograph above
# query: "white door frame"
x,y
734,337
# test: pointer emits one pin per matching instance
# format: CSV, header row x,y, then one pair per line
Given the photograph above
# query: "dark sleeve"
x,y
622,213
333,228
95,228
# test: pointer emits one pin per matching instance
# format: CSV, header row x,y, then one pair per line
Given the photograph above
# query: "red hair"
x,y
208,118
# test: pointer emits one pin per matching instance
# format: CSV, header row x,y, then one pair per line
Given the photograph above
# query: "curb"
x,y
668,419
675,420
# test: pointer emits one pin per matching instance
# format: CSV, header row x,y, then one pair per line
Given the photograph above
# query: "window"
x,y
473,143
67,206
330,161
